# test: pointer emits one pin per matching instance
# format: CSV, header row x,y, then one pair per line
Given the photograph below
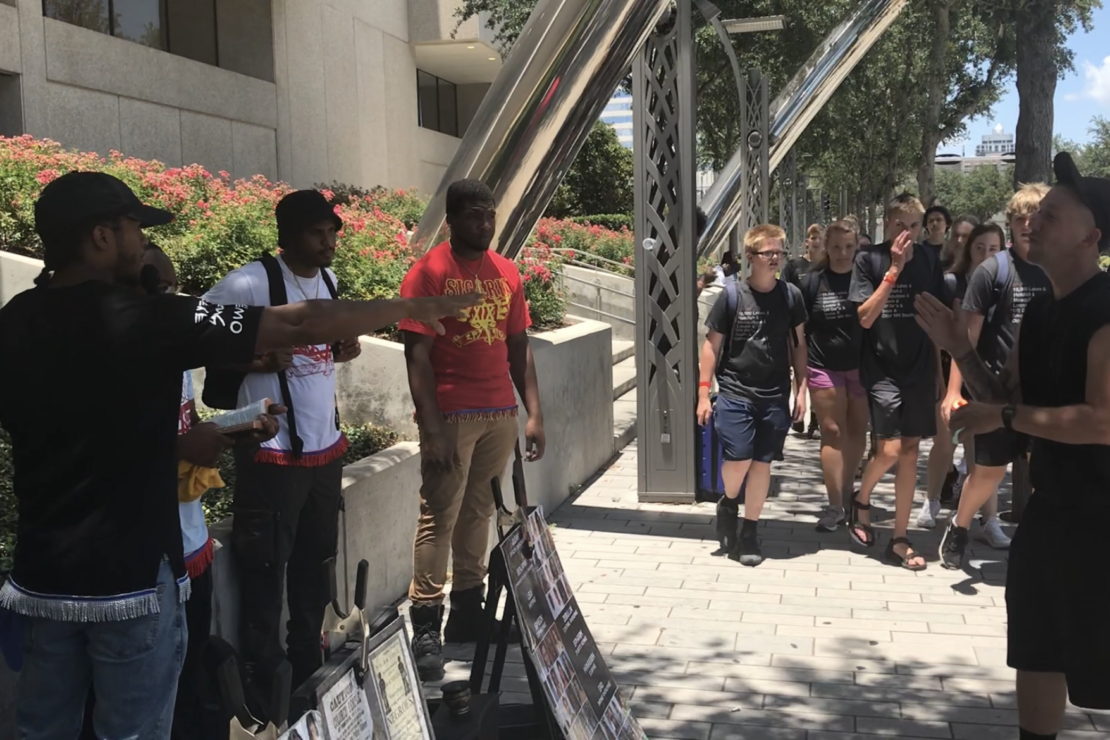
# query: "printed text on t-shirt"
x,y
900,303
484,318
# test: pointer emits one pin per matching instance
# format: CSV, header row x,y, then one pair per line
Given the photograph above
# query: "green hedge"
x,y
611,221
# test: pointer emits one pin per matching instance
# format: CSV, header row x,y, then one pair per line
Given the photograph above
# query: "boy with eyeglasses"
x,y
752,327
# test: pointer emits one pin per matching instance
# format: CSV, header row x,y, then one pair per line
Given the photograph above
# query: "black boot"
x,y
466,622
747,550
427,646
728,514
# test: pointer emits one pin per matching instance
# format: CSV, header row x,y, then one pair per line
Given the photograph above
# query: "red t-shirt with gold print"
x,y
471,360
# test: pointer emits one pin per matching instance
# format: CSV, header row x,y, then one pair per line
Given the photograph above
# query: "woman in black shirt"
x,y
983,241
834,340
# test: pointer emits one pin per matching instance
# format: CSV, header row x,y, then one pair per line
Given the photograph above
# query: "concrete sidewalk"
x,y
820,642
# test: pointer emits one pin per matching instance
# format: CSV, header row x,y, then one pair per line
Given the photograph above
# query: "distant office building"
x,y
995,144
618,114
366,93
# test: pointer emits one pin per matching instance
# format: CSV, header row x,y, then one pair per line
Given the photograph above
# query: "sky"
x,y
1080,96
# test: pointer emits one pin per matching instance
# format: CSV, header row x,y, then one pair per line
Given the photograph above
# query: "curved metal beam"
x,y
536,116
795,107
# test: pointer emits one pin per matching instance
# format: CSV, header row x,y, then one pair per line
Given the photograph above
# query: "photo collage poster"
x,y
577,684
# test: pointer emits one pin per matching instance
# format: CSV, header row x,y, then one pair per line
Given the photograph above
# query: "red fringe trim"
x,y
307,460
455,417
199,561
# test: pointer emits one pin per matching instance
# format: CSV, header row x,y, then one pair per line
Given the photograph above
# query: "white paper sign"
x,y
346,711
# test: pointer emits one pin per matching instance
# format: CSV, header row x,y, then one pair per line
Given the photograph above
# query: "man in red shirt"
x,y
462,386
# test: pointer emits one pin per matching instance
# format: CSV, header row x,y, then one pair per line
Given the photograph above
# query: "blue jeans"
x,y
132,666
751,430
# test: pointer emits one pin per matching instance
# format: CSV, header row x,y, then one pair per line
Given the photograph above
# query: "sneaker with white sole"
x,y
927,519
831,517
991,533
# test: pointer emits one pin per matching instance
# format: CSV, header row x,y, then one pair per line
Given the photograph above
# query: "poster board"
x,y
577,684
388,706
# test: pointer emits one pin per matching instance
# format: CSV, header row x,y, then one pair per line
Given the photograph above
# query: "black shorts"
x,y
999,448
1058,599
898,412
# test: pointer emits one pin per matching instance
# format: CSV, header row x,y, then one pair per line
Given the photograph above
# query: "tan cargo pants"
x,y
455,509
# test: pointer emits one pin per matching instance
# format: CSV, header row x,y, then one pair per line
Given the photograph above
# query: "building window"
x,y
239,40
141,21
438,104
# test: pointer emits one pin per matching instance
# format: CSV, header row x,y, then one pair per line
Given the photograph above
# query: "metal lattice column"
x,y
754,152
666,312
801,213
788,218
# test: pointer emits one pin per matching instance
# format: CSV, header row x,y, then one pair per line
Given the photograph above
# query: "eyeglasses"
x,y
771,254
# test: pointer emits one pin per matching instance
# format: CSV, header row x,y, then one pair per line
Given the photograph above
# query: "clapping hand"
x,y
946,327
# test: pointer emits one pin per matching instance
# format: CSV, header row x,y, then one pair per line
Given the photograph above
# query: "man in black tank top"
x,y
1056,389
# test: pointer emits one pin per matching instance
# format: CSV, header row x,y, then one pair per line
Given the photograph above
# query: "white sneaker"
x,y
927,519
991,533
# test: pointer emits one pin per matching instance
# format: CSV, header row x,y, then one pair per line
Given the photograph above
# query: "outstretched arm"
x,y
319,322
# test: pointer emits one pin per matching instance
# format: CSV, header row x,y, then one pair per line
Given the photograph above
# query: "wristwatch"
x,y
1008,412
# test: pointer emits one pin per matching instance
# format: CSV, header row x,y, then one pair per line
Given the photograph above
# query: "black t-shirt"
x,y
1052,365
1002,305
895,348
757,364
90,393
936,250
795,269
834,337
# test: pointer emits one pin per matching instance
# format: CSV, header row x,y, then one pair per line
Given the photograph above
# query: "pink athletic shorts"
x,y
849,379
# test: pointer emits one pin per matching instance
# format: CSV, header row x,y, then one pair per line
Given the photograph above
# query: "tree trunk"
x,y
1037,37
934,84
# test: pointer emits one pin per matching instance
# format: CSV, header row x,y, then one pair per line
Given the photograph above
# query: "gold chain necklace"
x,y
477,275
297,280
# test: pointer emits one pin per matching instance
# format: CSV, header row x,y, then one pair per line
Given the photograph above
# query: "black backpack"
x,y
221,385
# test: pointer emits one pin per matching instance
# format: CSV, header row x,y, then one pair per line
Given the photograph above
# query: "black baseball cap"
x,y
1093,191
79,198
303,208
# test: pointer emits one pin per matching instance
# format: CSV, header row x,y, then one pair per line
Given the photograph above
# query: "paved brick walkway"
x,y
818,643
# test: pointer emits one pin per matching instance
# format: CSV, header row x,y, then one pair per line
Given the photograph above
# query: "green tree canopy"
x,y
982,192
599,181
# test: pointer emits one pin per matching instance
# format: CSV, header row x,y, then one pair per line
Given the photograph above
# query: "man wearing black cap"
x,y
287,489
90,395
1056,389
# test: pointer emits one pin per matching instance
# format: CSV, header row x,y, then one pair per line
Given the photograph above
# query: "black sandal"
x,y
853,523
904,561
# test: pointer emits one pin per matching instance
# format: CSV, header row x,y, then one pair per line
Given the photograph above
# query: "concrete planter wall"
x,y
603,296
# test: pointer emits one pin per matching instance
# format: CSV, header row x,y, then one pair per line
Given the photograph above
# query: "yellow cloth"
x,y
193,481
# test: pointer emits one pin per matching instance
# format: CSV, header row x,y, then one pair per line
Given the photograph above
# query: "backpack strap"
x,y
330,285
788,295
1002,275
278,297
732,306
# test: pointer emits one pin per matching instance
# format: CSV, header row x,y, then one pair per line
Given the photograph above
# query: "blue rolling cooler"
x,y
710,453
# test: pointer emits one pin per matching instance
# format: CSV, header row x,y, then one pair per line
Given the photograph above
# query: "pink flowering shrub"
x,y
223,223
581,242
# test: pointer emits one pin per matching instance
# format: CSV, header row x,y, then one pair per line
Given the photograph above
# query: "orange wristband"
x,y
888,278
